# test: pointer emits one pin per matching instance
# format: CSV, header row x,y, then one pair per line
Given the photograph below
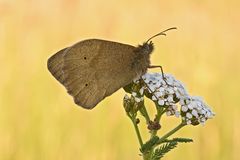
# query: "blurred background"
x,y
38,119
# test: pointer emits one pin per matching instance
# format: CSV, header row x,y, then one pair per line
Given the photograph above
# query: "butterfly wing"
x,y
93,69
55,65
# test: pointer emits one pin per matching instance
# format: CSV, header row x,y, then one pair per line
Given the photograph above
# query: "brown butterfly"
x,y
93,69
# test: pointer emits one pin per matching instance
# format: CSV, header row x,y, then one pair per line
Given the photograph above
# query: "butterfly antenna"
x,y
161,33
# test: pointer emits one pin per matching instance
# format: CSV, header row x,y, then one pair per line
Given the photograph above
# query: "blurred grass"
x,y
38,120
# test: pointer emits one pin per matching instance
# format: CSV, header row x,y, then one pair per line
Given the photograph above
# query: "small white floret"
x,y
161,102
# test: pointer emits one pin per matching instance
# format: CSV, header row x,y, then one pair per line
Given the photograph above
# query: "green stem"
x,y
160,112
137,131
171,132
144,112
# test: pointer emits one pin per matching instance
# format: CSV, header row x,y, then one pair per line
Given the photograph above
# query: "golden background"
x,y
38,119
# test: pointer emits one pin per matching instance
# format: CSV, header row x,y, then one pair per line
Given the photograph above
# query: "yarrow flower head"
x,y
195,111
171,94
166,92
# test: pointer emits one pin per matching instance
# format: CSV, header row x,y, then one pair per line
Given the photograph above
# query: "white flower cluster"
x,y
167,92
138,98
195,111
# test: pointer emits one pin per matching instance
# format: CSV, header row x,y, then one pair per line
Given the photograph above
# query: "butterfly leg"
x,y
164,78
158,67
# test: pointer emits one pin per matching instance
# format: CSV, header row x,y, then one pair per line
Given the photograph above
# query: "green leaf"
x,y
182,140
149,144
179,140
162,150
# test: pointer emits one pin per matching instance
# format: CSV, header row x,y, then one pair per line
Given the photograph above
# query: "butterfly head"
x,y
146,48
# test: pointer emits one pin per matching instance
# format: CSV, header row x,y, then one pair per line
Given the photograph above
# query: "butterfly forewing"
x,y
93,69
